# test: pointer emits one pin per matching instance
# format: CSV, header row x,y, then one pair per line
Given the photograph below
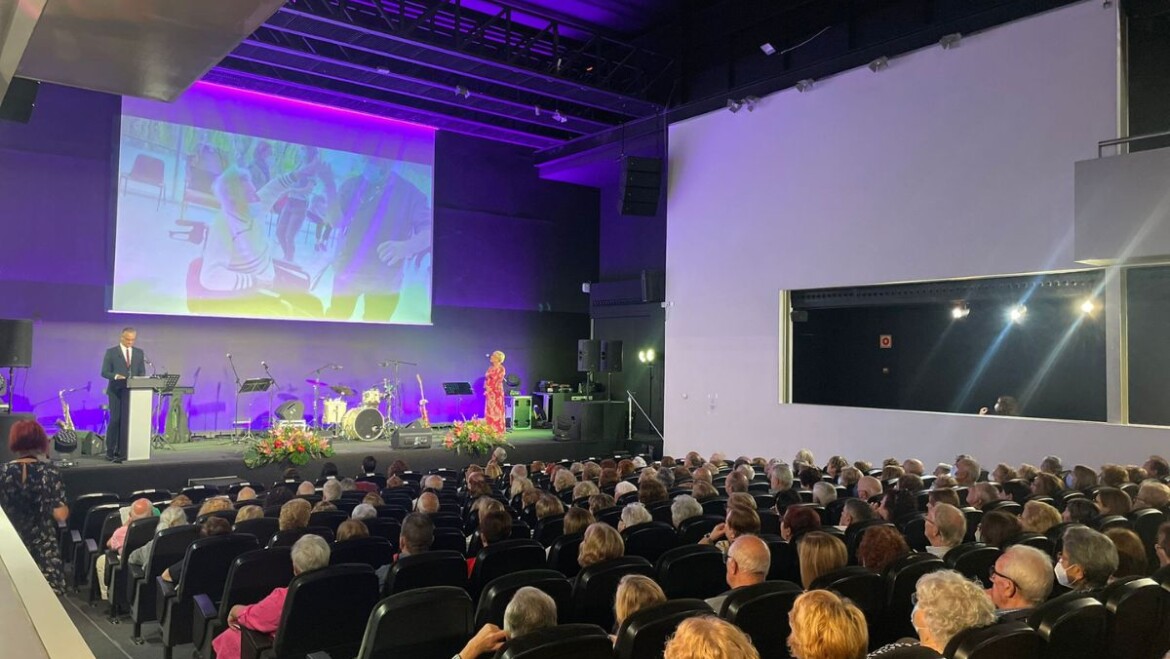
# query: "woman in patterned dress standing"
x,y
493,389
33,498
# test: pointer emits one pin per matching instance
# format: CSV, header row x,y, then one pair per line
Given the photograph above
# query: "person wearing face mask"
x,y
945,528
946,603
1086,562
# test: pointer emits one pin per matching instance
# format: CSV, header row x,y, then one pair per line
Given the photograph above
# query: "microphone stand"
x,y
317,395
271,390
236,409
394,410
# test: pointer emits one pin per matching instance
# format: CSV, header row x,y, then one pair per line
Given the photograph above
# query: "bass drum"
x,y
363,424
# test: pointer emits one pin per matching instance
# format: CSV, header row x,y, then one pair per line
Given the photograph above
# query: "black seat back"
x,y
263,528
326,610
1009,640
287,538
505,557
562,555
649,540
714,506
660,511
901,578
577,641
328,518
80,507
374,552
1145,523
254,575
761,611
785,564
977,562
643,634
695,571
170,546
384,527
429,623
1139,618
447,539
1073,628
913,527
549,529
867,590
596,585
208,560
499,591
692,530
854,533
432,568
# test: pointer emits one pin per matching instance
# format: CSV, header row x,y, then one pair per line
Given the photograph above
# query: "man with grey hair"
x,y
1021,580
530,609
331,491
855,511
306,489
913,466
634,514
433,482
868,487
428,502
1052,464
946,526
684,507
748,562
824,493
967,471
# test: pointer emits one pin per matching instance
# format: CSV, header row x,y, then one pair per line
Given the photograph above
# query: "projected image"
x,y
226,224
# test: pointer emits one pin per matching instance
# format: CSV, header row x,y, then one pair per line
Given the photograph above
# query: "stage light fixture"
x,y
460,90
768,48
960,311
734,105
1088,306
804,85
1017,313
383,70
952,40
880,64
646,356
558,117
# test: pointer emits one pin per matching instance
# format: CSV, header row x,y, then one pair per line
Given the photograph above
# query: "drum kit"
x,y
364,422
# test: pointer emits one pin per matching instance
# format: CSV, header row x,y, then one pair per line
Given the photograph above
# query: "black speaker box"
x,y
407,438
641,186
15,344
588,355
20,100
567,428
611,357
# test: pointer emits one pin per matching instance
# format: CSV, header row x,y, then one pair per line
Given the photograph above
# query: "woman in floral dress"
x,y
33,498
493,389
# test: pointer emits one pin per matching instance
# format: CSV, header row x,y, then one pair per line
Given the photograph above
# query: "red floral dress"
x,y
493,411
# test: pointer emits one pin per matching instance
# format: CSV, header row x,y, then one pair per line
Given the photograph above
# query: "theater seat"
x,y
425,622
562,556
1072,628
973,560
596,585
549,529
692,530
867,590
251,578
577,641
901,578
785,565
695,571
261,527
643,634
496,595
761,611
649,540
1037,540
432,568
371,551
500,558
1009,640
449,540
1139,619
205,570
170,546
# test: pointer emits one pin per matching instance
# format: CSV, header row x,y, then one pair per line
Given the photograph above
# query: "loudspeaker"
x,y
293,410
86,440
588,355
653,286
20,100
567,428
6,423
641,186
406,438
15,344
611,357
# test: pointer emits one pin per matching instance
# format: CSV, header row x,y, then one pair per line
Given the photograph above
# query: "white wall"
x,y
948,164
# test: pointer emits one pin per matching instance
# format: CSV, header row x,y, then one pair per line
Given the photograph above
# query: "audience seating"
x,y
262,528
1145,523
1072,628
1106,522
974,517
692,571
562,555
1009,640
761,611
449,540
140,532
325,610
1037,540
715,506
577,641
595,586
901,577
769,521
501,558
1006,505
170,546
79,516
692,530
649,540
1139,619
611,515
913,527
785,563
855,531
199,493
496,595
660,511
100,523
432,568
371,551
549,529
328,518
252,576
974,560
287,538
867,590
427,623
643,634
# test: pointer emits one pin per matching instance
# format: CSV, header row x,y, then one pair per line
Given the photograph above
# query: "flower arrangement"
x,y
295,445
474,436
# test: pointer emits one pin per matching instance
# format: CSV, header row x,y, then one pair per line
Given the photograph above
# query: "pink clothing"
x,y
263,616
493,411
118,538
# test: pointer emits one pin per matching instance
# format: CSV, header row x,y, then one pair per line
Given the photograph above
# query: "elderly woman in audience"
x,y
309,553
835,465
702,490
741,500
170,518
1131,554
1081,478
944,482
824,493
634,514
1113,501
1087,561
997,528
623,488
948,603
599,502
585,489
246,513
652,491
601,543
374,499
738,521
1003,473
331,491
634,593
1046,485
826,626
1152,494
1038,517
1027,472
319,507
547,506
708,637
294,515
1114,475
520,485
577,520
684,507
32,495
819,554
564,480
210,527
848,479
363,511
947,496
797,521
981,494
880,546
1052,464
1080,511
352,528
214,505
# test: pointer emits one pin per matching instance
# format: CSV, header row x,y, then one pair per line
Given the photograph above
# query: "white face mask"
x,y
978,535
1062,575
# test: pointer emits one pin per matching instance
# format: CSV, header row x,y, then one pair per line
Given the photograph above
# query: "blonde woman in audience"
x,y
493,471
585,489
708,637
321,507
819,554
702,490
1081,478
564,480
1027,472
623,488
599,502
294,515
577,520
214,505
826,626
374,499
548,505
1038,517
520,485
601,543
634,593
352,528
948,603
246,513
1003,473
741,500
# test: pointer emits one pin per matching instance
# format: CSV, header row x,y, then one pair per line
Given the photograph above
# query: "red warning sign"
x,y
885,341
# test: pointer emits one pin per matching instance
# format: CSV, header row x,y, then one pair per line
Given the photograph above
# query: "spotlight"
x,y
558,117
768,48
952,40
880,64
751,102
804,85
1017,313
460,90
646,356
960,311
734,105
383,70
1088,306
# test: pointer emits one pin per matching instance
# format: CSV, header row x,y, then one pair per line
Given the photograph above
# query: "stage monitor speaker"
x,y
641,186
20,100
15,344
87,441
292,410
611,357
567,428
408,438
6,423
588,355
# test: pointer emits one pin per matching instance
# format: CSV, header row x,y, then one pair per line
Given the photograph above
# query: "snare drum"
x,y
363,424
372,397
334,410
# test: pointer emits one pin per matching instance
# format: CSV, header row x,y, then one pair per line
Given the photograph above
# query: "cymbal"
x,y
342,390
316,383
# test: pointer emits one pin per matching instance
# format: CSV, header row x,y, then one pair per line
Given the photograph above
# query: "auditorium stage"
x,y
220,458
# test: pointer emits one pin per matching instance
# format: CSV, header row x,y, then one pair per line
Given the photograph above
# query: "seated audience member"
x,y
416,537
736,482
1081,511
948,603
1021,580
1081,478
1152,494
1136,473
652,491
212,526
374,499
913,466
896,504
826,626
475,485
547,505
808,477
530,609
855,511
319,507
246,513
942,469
214,505
623,488
397,468
1087,561
1113,475
331,490
427,503
306,489
944,482
139,509
804,456
702,473
277,497
293,475
1003,473
911,483
748,560
868,487
946,526
634,593
245,494
1131,554
363,511
328,471
170,518
349,484
309,553
848,479
967,471
741,500
634,514
684,507
666,477
880,546
1027,472
181,501
577,520
584,490
1162,545
708,637
703,491
891,473
1157,467
564,481
824,493
819,554
608,479
494,526
797,521
369,466
1046,485
981,494
947,496
738,521
834,466
294,515
1038,517
1052,464
602,542
780,485
350,529
1113,501
599,502
997,528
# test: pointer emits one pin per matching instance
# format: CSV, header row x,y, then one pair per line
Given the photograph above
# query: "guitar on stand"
x,y
424,418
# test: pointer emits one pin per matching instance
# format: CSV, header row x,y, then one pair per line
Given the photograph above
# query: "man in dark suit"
x,y
121,361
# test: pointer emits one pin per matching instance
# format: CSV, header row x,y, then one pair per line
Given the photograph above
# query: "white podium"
x,y
138,416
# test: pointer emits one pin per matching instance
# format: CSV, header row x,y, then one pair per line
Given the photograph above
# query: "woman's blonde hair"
x,y
826,626
577,520
295,514
601,542
708,637
634,593
1038,517
500,354
214,504
820,554
548,505
249,512
352,528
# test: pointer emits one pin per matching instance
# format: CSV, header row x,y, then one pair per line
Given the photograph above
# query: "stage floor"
x,y
177,467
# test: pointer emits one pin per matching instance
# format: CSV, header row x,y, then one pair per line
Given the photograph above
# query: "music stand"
x,y
168,384
249,386
459,390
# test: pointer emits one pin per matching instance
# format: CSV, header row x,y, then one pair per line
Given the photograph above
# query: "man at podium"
x,y
121,361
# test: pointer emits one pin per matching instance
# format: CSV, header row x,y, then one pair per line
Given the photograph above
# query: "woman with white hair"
x,y
634,514
684,507
623,488
171,517
309,553
363,511
948,603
